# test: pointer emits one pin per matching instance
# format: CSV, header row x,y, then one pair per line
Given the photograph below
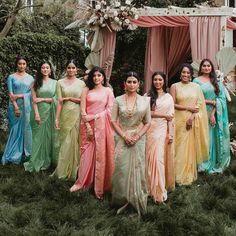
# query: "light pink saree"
x,y
159,166
96,161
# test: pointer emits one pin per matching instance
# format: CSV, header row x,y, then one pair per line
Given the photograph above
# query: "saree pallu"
x,y
19,144
96,163
44,136
219,136
191,146
159,152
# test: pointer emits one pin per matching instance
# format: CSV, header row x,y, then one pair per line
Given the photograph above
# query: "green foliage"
x,y
50,19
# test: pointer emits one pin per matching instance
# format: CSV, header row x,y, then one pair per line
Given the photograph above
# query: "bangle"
x,y
17,109
56,120
123,136
138,136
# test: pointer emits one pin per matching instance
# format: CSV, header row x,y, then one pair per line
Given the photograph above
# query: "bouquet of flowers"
x,y
114,14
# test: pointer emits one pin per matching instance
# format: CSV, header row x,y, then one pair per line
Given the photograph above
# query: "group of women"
x,y
160,139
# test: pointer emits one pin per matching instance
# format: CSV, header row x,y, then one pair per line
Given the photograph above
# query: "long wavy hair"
x,y
39,77
213,77
90,83
153,94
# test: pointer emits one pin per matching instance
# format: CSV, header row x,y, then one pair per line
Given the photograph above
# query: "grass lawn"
x,y
36,204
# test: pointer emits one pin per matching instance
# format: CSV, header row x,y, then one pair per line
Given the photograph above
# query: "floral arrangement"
x,y
114,14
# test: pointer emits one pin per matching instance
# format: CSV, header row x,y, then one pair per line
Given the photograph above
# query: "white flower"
x,y
103,25
116,19
127,21
108,8
128,2
117,4
136,16
122,8
133,9
115,13
98,7
106,16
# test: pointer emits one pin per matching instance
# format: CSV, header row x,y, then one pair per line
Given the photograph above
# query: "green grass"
x,y
36,204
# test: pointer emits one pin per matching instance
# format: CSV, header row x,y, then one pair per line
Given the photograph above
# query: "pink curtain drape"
x,y
169,21
231,23
205,37
108,51
163,51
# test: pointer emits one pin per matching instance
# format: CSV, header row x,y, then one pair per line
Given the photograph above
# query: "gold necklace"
x,y
130,112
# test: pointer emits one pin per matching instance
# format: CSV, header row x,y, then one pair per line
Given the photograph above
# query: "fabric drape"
x,y
205,37
163,51
107,53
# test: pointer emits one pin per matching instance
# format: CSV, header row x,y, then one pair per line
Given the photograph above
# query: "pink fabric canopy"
x,y
169,21
168,42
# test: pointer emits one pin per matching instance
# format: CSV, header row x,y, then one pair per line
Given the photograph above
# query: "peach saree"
x,y
159,166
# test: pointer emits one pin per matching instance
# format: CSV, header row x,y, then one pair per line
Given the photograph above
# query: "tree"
x,y
9,13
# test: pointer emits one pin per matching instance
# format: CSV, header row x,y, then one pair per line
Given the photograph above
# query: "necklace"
x,y
130,111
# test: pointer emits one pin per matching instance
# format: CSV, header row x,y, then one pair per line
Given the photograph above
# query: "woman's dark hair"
x,y
18,59
153,94
213,77
131,74
71,61
188,66
90,83
39,77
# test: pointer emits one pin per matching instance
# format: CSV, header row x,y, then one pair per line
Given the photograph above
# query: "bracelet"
x,y
17,109
56,120
138,136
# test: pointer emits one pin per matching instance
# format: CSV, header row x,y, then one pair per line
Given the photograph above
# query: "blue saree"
x,y
219,137
20,136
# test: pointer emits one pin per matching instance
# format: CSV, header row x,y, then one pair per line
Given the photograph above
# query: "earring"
x,y
138,90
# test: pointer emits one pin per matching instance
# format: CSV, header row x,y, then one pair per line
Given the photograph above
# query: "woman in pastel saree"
x,y
159,162
42,120
191,127
97,136
131,119
19,144
219,137
67,121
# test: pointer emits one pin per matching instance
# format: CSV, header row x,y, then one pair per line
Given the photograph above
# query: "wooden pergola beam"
x,y
178,11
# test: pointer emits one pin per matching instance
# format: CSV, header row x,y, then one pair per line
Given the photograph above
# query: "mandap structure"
x,y
173,33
